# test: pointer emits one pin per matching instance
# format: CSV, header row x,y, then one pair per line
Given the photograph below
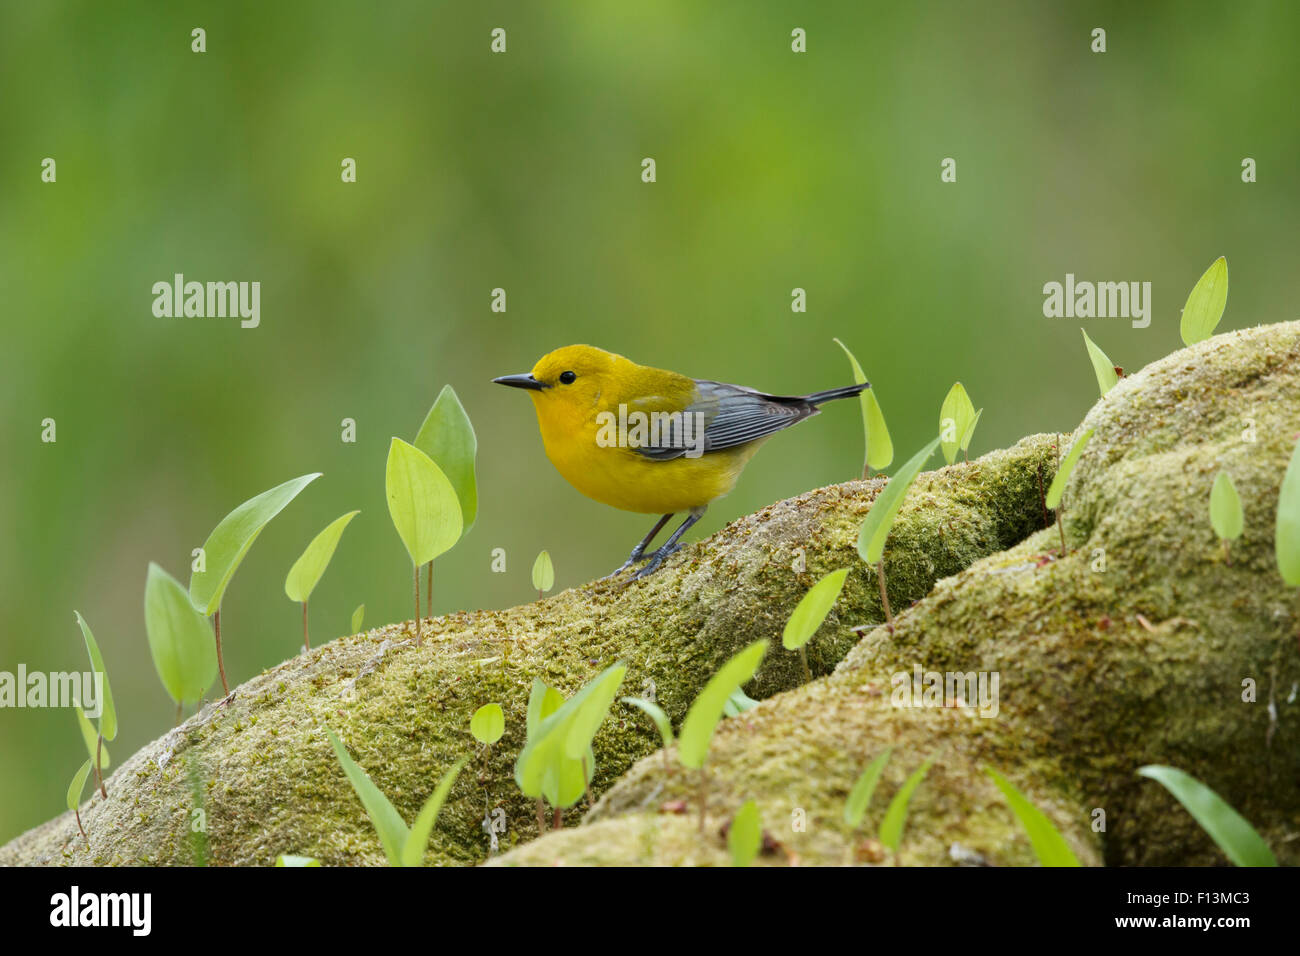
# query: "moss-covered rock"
x,y
269,783
1141,645
797,755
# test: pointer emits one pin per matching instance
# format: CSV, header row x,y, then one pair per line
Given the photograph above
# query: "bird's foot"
x,y
656,560
623,567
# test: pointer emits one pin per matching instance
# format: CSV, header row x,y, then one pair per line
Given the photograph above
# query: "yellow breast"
x,y
622,477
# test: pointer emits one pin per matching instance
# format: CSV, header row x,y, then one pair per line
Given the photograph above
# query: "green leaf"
x,y
958,410
91,736
542,702
875,527
551,763
108,714
706,709
655,713
1205,304
1225,508
231,539
488,724
358,617
543,572
891,827
78,786
1102,367
286,859
552,702
307,570
1049,846
180,638
970,431
534,716
564,782
812,609
745,836
591,705
448,438
1235,837
880,449
388,823
1286,540
855,808
417,843
542,769
422,502
1057,487
738,703
540,751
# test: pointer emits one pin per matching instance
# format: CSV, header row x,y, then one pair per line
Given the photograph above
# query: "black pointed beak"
x,y
525,380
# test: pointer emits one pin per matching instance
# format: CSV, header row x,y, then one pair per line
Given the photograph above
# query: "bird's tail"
x,y
848,391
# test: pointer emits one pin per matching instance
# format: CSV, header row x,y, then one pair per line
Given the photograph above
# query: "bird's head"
x,y
574,376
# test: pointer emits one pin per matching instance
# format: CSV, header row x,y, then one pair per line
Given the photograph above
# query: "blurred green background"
x,y
522,171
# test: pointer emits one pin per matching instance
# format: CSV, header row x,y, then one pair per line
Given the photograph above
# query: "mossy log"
x,y
1143,644
262,771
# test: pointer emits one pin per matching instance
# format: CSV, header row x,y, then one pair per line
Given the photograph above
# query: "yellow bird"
x,y
648,440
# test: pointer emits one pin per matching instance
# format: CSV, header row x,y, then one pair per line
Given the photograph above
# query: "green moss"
x,y
798,755
404,711
1131,649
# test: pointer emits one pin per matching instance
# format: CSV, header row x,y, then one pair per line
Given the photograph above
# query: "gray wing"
x,y
731,415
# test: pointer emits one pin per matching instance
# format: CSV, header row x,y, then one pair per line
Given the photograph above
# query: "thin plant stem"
x,y
1060,526
416,623
99,769
557,819
1227,554
1042,497
430,594
884,595
306,641
221,663
493,845
77,811
803,659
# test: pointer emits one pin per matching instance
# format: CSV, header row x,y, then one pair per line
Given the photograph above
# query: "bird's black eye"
x,y
568,377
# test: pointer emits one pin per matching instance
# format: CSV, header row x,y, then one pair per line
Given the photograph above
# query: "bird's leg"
x,y
639,551
671,545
